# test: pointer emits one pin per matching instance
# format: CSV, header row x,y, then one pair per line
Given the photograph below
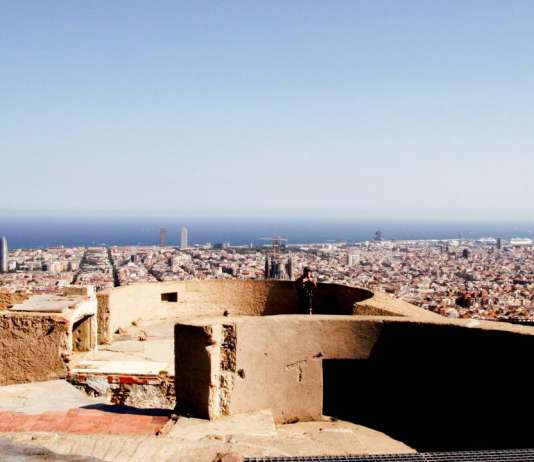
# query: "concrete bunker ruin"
x,y
242,346
431,382
119,307
39,335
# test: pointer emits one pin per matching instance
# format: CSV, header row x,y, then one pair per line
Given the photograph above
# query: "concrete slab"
x,y
327,438
158,346
119,367
16,452
254,424
39,397
48,304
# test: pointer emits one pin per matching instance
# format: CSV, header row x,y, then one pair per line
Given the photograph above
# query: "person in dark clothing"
x,y
306,286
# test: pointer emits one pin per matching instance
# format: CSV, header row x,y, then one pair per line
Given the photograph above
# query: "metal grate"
x,y
509,455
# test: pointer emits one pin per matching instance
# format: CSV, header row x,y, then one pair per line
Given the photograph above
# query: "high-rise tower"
x,y
183,238
162,237
3,255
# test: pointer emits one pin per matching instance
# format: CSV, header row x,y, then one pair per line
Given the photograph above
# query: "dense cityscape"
x,y
485,278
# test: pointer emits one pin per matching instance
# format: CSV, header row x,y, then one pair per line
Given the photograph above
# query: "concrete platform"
x,y
49,303
39,397
119,367
251,425
17,452
157,346
328,438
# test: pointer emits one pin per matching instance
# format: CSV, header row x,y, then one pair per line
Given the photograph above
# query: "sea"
x,y
42,232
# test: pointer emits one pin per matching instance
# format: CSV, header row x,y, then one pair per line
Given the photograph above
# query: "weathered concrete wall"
x,y
32,347
102,318
197,351
276,362
8,299
438,387
120,306
269,363
384,305
83,334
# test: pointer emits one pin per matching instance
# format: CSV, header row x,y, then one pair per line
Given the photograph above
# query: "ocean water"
x,y
43,232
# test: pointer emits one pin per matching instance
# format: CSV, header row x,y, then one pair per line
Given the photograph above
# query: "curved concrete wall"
x,y
434,384
120,306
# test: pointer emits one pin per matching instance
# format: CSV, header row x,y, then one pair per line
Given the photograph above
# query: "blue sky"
x,y
243,108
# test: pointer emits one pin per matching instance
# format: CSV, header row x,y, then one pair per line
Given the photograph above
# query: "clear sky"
x,y
284,107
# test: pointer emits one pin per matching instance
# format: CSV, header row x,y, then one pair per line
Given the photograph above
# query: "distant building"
x,y
465,253
276,269
353,259
518,241
378,235
499,243
3,255
289,268
183,239
162,237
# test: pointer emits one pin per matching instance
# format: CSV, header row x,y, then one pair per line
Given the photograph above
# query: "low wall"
x,y
32,347
433,385
8,299
119,307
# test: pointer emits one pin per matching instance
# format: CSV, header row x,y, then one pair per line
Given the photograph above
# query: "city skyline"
x,y
411,109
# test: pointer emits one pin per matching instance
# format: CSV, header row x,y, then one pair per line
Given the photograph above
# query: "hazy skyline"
x,y
300,108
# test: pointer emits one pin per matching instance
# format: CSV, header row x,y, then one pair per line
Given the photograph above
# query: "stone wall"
x,y
32,347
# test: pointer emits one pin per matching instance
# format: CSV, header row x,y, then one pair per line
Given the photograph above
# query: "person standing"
x,y
306,286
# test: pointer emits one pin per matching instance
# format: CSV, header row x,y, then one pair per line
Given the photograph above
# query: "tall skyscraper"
x,y
3,255
162,237
183,238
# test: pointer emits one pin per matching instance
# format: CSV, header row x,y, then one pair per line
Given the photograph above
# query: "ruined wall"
x,y
381,304
32,347
438,387
197,351
275,363
338,299
11,298
102,318
430,371
120,306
